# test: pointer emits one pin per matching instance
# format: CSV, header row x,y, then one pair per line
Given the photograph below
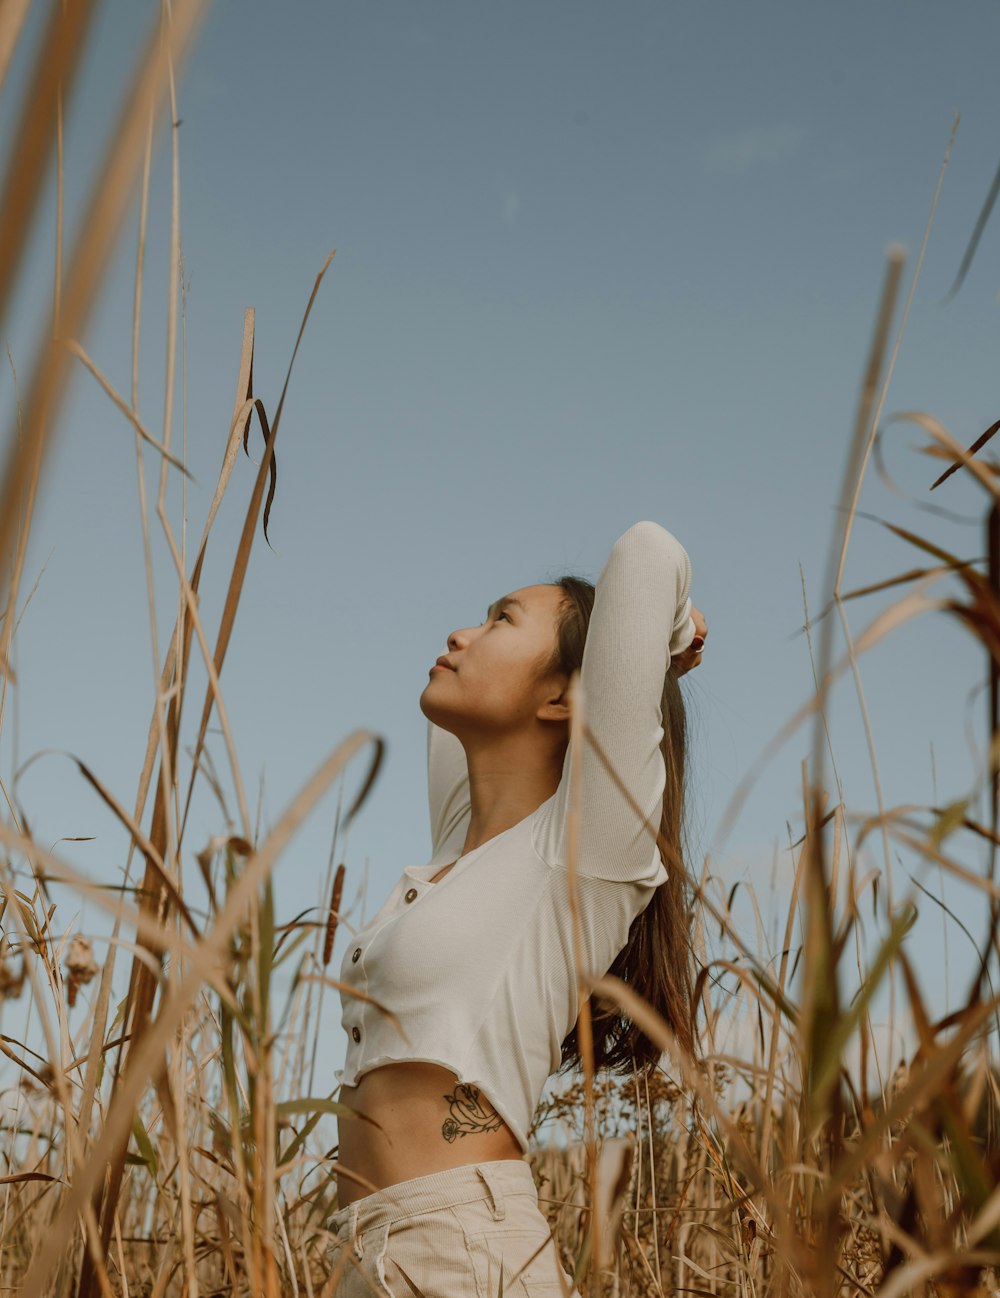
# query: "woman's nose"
x,y
460,639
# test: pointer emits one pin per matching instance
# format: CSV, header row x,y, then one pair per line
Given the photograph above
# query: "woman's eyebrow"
x,y
508,601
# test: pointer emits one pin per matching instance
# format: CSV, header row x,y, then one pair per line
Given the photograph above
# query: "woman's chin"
x,y
443,717
427,704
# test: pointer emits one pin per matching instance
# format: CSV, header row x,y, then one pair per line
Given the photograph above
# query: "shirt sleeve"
x,y
641,617
448,794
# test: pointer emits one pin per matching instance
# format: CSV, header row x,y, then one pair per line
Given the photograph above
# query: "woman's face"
x,y
494,676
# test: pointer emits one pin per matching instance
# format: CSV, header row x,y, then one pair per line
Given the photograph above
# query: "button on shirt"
x,y
477,969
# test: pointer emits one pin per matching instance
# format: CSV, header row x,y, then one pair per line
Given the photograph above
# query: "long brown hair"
x,y
657,960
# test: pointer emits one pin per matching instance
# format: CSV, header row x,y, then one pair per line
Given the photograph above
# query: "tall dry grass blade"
x,y
142,988
140,256
238,574
35,135
870,426
993,552
419,1293
949,562
9,627
144,845
977,445
241,415
988,627
985,212
288,374
12,16
103,214
853,472
780,985
145,972
869,411
902,579
827,1061
145,1062
585,1036
60,213
109,390
173,274
983,472
333,915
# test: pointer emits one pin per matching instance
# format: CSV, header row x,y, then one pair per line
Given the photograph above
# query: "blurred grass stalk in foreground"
x,y
151,1151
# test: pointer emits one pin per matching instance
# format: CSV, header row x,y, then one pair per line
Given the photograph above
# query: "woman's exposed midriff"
x,y
429,1122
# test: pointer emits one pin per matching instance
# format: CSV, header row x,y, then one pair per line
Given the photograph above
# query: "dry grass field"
x,y
155,1150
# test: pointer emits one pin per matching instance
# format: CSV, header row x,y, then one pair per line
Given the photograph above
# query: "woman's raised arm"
x,y
641,616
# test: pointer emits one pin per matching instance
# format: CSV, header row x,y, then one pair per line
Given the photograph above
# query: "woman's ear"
x,y
555,705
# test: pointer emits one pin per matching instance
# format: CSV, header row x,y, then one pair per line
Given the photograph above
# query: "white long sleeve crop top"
x,y
478,968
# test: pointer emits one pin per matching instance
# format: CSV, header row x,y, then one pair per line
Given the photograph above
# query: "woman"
x,y
473,952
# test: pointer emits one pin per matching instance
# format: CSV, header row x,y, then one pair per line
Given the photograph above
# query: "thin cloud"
x,y
734,154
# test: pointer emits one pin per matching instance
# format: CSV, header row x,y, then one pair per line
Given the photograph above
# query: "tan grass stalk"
x,y
174,1092
166,880
103,214
246,538
333,915
240,421
652,1185
141,989
867,425
821,1001
109,390
145,1060
962,457
872,424
584,1025
12,16
11,618
140,254
781,984
35,135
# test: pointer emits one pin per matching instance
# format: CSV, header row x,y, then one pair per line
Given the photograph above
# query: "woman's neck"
x,y
507,781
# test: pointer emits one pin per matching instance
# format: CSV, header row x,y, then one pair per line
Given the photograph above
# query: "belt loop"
x,y
497,1205
359,1251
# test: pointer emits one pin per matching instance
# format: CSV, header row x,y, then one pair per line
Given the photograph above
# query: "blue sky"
x,y
595,263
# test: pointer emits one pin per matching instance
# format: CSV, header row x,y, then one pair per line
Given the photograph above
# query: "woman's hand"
x,y
691,656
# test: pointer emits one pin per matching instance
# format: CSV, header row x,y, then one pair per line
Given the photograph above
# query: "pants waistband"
x,y
492,1181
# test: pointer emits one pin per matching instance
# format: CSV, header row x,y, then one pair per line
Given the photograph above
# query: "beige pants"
x,y
452,1233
